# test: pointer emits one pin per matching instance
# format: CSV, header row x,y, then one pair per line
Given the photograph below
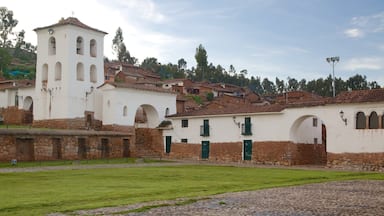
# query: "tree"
x,y
120,49
7,23
268,86
202,62
150,63
293,84
5,59
357,82
181,64
280,86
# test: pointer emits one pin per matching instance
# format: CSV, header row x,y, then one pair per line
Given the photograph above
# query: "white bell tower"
x,y
69,68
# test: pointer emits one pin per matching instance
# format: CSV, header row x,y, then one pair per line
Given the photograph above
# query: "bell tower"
x,y
69,68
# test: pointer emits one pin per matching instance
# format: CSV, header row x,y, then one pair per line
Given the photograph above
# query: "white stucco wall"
x,y
293,124
114,100
66,97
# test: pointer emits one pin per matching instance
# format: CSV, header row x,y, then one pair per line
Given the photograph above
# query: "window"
x,y
314,122
246,128
184,123
80,72
125,110
58,71
79,46
44,76
382,121
204,129
360,120
52,46
184,140
373,121
315,141
93,74
93,48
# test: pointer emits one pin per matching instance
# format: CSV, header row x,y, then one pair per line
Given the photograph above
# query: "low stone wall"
x,y
76,123
357,161
35,144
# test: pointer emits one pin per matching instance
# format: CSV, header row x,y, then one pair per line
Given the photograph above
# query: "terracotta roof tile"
x,y
239,109
71,21
138,86
360,96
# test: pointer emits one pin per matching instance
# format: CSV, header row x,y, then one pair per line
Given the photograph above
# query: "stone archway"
x,y
308,133
146,117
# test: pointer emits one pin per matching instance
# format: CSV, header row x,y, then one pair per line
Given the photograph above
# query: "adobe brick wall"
x,y
228,152
120,128
357,161
76,123
149,142
13,115
43,147
184,151
274,153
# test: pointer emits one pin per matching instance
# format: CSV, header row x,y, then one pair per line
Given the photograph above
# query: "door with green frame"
x,y
205,149
247,152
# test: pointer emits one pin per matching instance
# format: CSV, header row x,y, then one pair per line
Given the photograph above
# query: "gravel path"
x,y
332,198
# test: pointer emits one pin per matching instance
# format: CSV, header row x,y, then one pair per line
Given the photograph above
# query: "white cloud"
x,y
365,63
354,33
363,25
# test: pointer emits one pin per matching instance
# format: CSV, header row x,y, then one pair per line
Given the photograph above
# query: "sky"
x,y
268,38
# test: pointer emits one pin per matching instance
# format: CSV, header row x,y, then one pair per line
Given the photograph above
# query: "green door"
x,y
168,141
205,149
247,150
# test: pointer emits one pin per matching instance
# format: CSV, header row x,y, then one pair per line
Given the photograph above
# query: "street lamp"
x,y
334,60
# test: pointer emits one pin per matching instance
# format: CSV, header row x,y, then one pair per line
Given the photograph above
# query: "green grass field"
x,y
40,193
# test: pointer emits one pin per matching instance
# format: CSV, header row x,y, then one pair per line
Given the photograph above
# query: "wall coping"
x,y
60,132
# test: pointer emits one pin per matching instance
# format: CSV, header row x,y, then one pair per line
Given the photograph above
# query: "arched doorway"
x,y
146,117
28,107
309,134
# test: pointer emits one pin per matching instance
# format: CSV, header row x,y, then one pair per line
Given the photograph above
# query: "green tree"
x,y
202,62
150,63
280,85
120,49
357,82
268,86
293,84
5,59
7,23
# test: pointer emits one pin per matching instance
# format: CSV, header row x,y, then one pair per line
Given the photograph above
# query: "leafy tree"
x,y
181,64
268,86
202,62
255,85
374,85
120,49
5,59
150,63
7,23
210,96
280,86
293,84
357,82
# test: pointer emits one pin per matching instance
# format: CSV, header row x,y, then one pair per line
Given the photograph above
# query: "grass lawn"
x,y
39,193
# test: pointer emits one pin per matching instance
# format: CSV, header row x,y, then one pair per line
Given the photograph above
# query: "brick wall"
x,y
358,161
149,142
34,144
15,116
76,123
184,151
229,152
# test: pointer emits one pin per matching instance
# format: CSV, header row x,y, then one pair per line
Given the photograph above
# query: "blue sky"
x,y
269,38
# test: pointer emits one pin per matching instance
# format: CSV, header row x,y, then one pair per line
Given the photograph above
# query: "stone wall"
x,y
35,144
357,161
228,152
76,123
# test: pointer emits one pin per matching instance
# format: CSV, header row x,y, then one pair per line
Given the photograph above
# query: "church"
x,y
76,112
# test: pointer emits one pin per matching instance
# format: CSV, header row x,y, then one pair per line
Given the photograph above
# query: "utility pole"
x,y
333,60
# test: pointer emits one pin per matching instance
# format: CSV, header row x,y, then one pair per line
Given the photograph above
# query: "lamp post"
x,y
334,60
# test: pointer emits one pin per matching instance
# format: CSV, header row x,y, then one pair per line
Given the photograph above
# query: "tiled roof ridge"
x,y
71,21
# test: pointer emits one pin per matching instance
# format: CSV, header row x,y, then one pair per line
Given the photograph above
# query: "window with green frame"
x,y
204,129
246,128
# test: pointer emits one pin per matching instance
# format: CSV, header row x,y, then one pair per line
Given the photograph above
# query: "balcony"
x,y
246,129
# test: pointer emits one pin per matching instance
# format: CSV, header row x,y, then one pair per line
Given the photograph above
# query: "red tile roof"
x,y
70,21
239,109
137,86
360,96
